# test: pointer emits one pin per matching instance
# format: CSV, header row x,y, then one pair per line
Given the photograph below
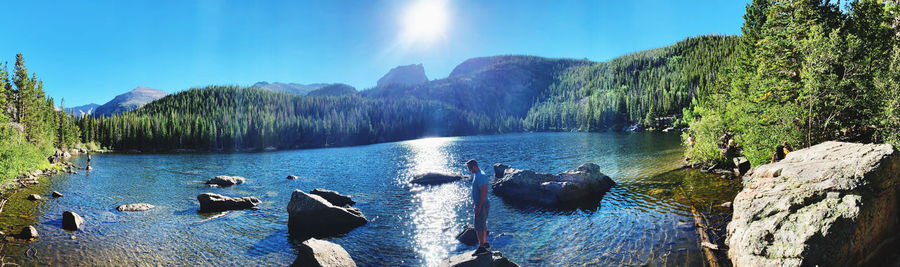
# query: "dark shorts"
x,y
481,217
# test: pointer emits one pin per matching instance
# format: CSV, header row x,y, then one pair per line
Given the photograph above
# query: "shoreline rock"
x,y
28,232
549,189
224,180
312,216
210,202
494,258
34,197
56,194
468,236
830,204
434,178
315,252
72,221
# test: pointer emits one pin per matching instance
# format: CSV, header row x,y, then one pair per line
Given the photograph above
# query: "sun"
x,y
425,21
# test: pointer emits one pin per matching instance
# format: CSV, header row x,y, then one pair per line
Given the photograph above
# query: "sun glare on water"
x,y
425,21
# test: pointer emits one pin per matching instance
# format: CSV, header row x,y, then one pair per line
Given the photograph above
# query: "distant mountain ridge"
x,y
83,110
337,89
291,88
129,101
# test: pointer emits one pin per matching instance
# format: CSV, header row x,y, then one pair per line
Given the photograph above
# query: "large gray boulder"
x,y
312,216
333,197
72,221
492,259
831,204
320,253
210,202
224,180
549,189
434,178
500,170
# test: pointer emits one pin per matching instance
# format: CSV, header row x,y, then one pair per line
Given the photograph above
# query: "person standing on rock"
x,y
481,205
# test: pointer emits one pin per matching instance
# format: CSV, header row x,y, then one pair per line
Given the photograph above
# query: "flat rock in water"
x,y
552,189
314,252
72,221
34,197
56,194
832,204
493,258
28,232
210,202
312,216
333,197
434,178
224,180
292,177
135,207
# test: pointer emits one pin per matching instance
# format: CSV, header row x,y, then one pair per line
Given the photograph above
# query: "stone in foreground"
x,y
831,204
312,216
28,232
434,178
135,207
72,221
210,202
223,180
491,259
314,252
468,236
333,197
548,189
34,197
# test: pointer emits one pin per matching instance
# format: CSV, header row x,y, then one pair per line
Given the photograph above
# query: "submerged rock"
x,y
831,204
34,197
549,189
72,221
28,232
314,252
333,197
210,202
135,207
434,178
224,180
312,216
492,259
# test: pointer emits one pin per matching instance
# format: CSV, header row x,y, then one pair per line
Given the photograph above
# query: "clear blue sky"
x,y
89,52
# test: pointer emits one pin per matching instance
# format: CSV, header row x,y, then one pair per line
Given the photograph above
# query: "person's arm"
x,y
482,196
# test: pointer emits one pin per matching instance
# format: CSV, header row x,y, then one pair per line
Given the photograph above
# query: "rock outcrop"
x,y
500,170
404,75
210,202
492,259
224,180
312,216
333,197
135,207
72,221
831,204
548,189
434,178
314,252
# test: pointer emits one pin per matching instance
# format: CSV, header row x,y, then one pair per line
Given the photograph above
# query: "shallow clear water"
x,y
645,220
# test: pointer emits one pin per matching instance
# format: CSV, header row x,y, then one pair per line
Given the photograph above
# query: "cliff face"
x,y
832,204
404,75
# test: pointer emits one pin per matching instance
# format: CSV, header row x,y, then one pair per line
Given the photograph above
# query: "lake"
x,y
645,219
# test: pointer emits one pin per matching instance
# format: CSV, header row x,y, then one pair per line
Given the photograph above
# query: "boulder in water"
x,y
312,216
34,197
434,178
500,170
832,204
549,189
314,252
72,221
135,207
292,177
468,236
333,197
56,194
28,232
492,259
210,202
224,180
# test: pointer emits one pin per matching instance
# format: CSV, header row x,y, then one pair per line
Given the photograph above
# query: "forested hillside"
x,y
805,72
222,118
31,126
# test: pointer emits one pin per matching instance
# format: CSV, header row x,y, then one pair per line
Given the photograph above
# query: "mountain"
x,y
337,89
404,76
83,110
129,101
291,88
